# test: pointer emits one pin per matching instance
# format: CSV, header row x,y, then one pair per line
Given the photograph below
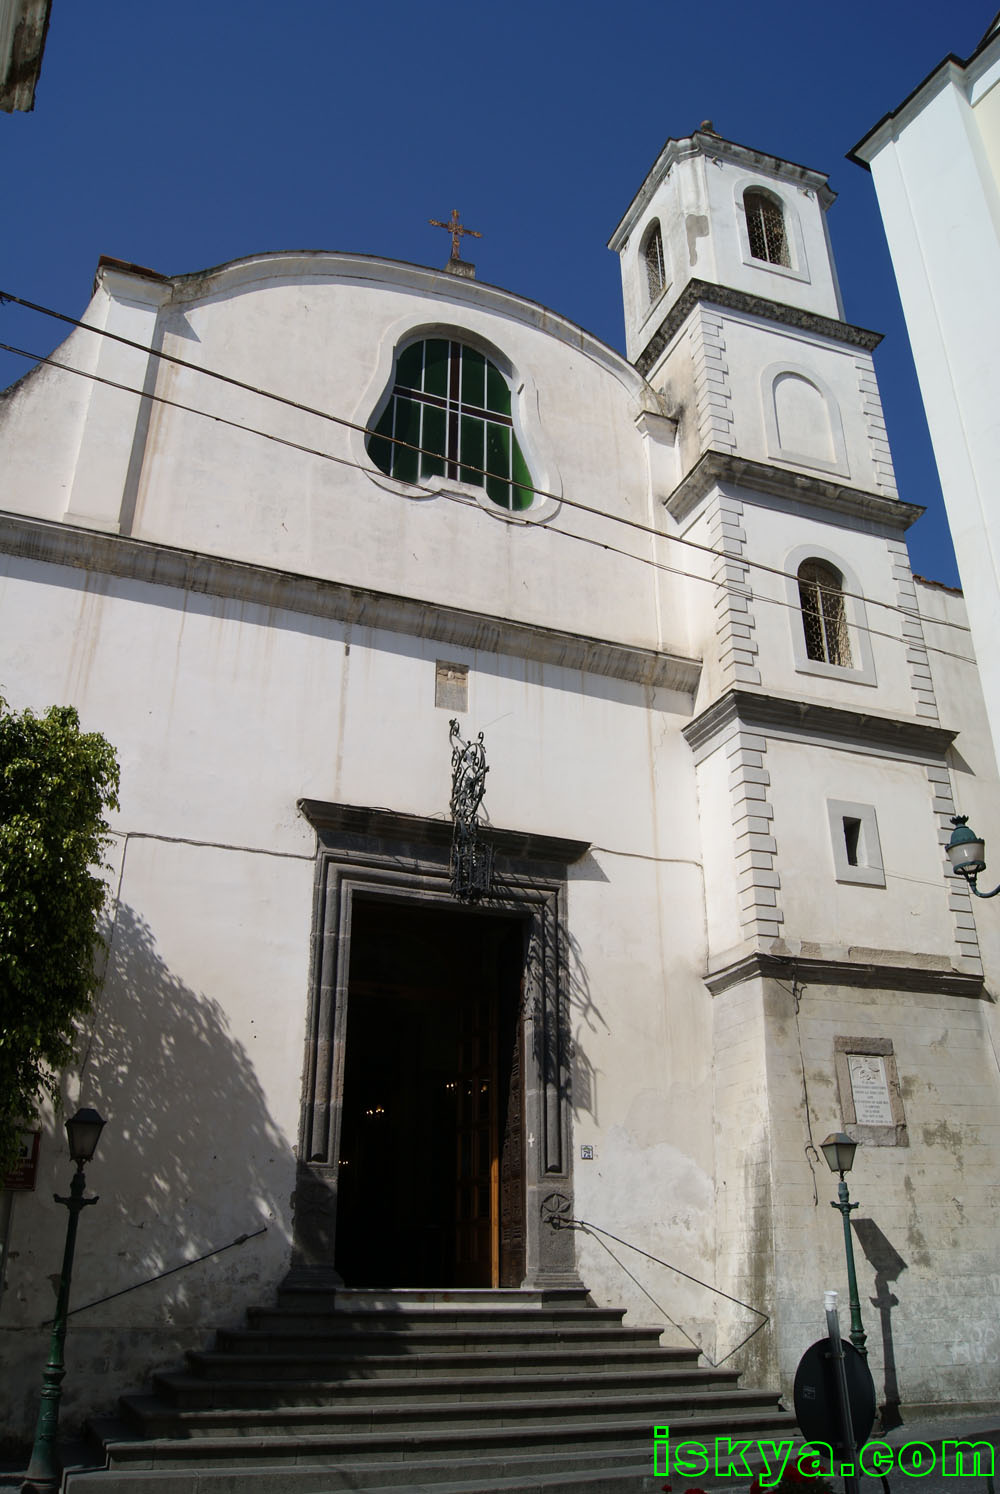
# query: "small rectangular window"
x,y
857,854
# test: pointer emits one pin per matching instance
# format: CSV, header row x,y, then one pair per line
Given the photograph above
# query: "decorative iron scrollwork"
x,y
471,858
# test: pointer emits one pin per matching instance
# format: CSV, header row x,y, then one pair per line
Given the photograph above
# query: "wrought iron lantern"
x,y
84,1132
839,1150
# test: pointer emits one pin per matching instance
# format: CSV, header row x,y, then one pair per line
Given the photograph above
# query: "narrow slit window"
x,y
824,618
766,228
449,415
852,840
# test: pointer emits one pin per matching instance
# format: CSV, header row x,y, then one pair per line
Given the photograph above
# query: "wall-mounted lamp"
x,y
967,853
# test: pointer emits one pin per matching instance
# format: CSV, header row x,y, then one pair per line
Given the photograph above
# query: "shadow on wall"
x,y
583,1010
189,1160
190,1149
889,1266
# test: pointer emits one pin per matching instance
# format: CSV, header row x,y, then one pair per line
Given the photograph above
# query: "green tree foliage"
x,y
55,784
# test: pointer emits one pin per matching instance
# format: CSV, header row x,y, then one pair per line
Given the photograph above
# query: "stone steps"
x,y
450,1391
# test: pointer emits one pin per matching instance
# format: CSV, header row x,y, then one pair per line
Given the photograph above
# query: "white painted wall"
x,y
935,168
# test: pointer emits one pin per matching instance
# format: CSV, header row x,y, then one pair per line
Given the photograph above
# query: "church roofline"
x,y
951,69
248,271
703,143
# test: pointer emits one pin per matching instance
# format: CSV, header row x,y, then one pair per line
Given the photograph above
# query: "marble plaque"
x,y
870,1089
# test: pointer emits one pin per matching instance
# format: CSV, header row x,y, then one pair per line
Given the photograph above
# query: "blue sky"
x,y
179,137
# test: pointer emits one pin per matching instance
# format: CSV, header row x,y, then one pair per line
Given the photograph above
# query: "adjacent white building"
x,y
935,162
287,518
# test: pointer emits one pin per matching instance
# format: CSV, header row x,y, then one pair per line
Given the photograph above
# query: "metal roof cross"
x,y
454,227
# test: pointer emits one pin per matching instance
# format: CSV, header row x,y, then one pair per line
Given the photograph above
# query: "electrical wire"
x,y
8,297
737,588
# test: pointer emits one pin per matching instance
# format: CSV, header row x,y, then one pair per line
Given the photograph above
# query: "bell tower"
x,y
716,212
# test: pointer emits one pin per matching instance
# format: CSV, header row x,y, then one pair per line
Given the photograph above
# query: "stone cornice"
x,y
698,291
414,829
210,575
778,715
813,971
714,467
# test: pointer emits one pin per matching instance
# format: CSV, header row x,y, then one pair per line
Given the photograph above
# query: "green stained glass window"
x,y
449,415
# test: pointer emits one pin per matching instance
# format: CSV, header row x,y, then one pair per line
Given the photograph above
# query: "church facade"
x,y
292,533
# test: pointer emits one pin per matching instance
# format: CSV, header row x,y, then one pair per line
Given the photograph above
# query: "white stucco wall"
x,y
224,714
934,169
167,474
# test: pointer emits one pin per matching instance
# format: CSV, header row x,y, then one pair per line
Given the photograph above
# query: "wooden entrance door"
x,y
477,1169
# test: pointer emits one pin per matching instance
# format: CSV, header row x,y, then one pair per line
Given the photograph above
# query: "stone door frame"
x,y
376,853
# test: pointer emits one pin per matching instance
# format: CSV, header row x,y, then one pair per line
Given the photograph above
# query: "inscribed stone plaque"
x,y
870,1089
451,686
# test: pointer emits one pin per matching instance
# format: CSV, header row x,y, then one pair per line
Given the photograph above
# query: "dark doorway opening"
x,y
430,1178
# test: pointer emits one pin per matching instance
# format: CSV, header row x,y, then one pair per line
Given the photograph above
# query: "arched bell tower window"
x,y
824,620
449,415
766,227
656,270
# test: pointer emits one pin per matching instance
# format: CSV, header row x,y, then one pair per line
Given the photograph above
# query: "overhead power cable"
x,y
365,430
737,588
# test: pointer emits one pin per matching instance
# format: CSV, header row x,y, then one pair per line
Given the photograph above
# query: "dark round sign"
x,y
817,1406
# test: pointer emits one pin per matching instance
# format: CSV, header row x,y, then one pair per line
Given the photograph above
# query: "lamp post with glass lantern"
x,y
45,1469
839,1150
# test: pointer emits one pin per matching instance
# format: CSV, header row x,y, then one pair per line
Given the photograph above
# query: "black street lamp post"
x,y
839,1150
45,1469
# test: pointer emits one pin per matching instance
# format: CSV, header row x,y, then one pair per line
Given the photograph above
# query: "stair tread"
x,y
467,1437
154,1405
565,1355
516,1474
437,1331
386,1386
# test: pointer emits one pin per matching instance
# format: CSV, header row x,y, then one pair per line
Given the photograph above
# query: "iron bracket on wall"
x,y
471,867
